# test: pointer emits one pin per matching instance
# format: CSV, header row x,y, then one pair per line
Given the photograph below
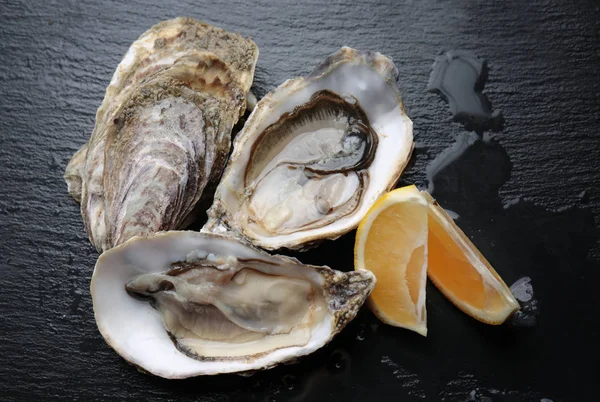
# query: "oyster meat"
x,y
315,154
162,132
217,305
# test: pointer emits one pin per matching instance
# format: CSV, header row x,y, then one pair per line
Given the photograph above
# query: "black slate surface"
x,y
529,198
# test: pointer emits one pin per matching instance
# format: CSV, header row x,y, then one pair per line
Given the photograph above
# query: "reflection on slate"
x,y
459,78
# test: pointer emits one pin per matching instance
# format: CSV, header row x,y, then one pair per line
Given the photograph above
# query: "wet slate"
x,y
529,197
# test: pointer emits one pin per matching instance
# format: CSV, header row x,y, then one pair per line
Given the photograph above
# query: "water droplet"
x,y
459,78
522,289
360,335
452,214
338,362
290,382
511,202
523,292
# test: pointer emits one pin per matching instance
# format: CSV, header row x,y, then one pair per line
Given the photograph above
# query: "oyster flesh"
x,y
315,154
217,305
162,132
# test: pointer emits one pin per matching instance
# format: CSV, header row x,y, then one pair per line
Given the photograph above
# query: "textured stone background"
x,y
530,198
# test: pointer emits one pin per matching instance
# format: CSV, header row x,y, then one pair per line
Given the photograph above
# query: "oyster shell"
x,y
220,305
162,132
315,154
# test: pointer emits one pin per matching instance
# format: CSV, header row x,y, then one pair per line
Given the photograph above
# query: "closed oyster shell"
x,y
162,132
217,305
315,154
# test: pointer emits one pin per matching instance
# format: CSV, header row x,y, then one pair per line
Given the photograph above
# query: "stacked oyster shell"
x,y
313,157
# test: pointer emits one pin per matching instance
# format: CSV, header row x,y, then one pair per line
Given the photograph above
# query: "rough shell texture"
x,y
360,80
134,329
162,132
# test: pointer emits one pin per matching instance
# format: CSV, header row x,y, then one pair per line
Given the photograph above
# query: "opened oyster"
x,y
220,306
315,154
162,133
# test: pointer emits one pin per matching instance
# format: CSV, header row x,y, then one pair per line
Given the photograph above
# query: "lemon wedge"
x,y
391,242
461,272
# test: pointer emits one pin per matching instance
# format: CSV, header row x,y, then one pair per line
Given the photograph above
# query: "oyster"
x,y
220,305
315,154
162,132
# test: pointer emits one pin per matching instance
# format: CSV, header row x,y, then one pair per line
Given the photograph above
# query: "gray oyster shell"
x,y
163,130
